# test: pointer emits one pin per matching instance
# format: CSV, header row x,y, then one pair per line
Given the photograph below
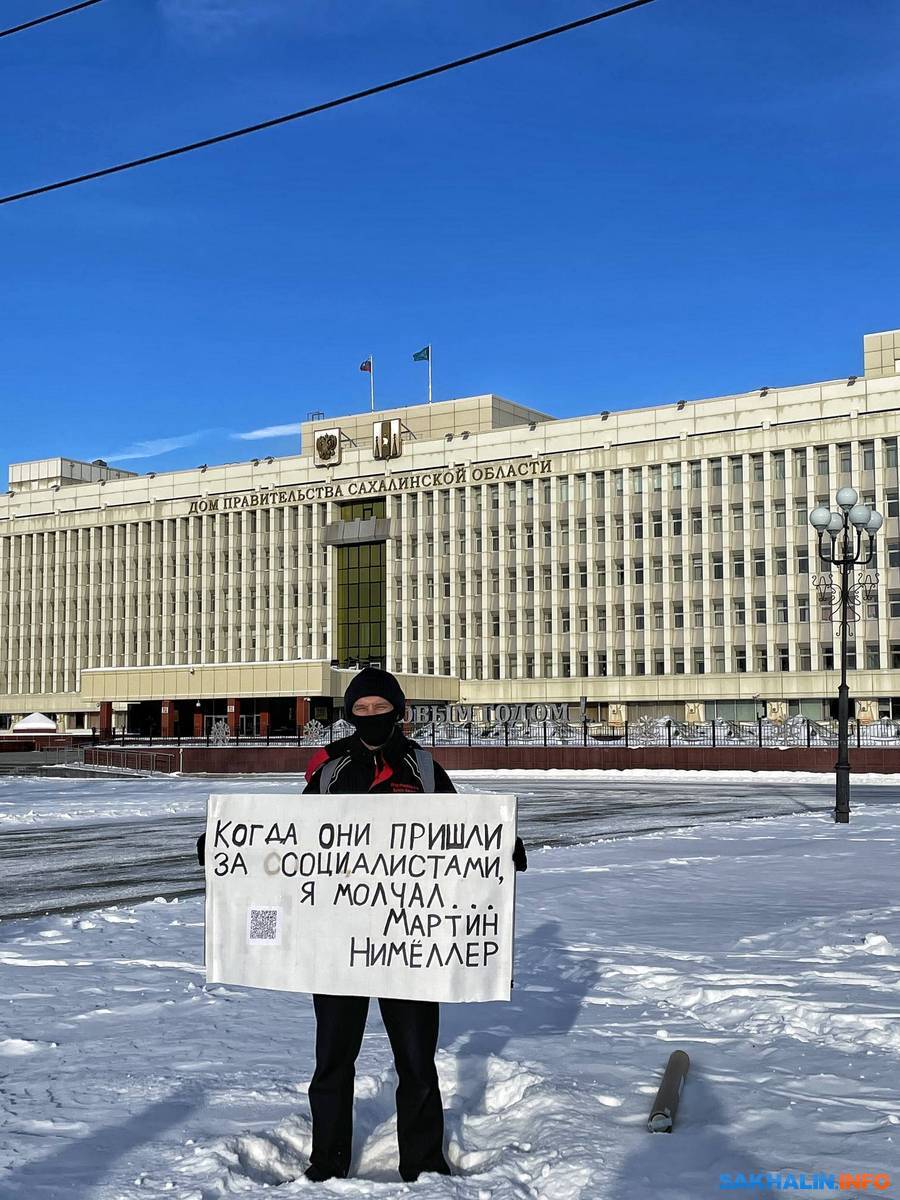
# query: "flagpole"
x,y
372,379
429,372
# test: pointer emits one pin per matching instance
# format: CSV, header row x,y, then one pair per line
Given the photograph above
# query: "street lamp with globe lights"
x,y
845,550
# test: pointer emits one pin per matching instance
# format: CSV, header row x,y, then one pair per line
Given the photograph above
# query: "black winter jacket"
x,y
391,768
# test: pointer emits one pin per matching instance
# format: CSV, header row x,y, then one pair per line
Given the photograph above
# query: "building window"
x,y
822,461
778,464
657,524
740,659
696,566
696,520
699,662
677,569
762,658
678,616
737,518
718,614
873,656
868,456
756,461
784,658
804,655
799,464
781,610
659,662
803,609
678,661
637,482
696,475
656,479
716,520
802,561
675,477
781,562
759,610
737,566
599,485
697,615
737,470
826,657
657,616
676,522
890,453
718,567
715,472
657,567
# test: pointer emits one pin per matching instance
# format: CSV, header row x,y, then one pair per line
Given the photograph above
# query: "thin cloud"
x,y
155,446
207,19
271,431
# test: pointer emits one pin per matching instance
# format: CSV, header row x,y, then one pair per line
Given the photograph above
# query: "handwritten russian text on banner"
x,y
408,896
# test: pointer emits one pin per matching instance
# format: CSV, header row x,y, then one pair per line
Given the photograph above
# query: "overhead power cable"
x,y
328,104
62,12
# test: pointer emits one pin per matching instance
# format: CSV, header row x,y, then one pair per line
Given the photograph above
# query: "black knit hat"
x,y
372,681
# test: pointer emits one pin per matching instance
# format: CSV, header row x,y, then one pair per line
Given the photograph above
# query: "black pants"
x,y
412,1029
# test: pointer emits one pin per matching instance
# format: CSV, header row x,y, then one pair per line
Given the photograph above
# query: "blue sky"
x,y
690,199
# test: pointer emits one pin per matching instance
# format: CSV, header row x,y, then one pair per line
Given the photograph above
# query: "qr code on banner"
x,y
263,926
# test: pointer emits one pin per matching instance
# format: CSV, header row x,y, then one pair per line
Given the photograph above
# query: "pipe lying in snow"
x,y
665,1106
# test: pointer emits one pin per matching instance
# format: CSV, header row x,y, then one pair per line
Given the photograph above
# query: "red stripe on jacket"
x,y
320,756
384,772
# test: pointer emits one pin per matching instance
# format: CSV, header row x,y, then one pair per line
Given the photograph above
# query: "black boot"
x,y
321,1174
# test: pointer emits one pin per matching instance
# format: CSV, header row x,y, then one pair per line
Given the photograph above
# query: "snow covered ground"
x,y
769,949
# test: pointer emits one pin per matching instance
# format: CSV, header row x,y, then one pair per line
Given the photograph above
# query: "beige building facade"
x,y
646,562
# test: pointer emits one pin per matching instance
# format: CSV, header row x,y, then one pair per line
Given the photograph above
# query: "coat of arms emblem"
x,y
328,447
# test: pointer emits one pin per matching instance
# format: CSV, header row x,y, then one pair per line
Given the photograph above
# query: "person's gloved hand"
x,y
201,849
520,859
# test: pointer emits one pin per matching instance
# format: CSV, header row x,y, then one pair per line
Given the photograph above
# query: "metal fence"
x,y
797,732
139,760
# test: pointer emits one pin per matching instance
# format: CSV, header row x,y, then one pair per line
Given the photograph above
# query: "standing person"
x,y
377,758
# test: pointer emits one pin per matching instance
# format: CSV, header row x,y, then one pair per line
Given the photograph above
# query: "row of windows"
x,y
757,658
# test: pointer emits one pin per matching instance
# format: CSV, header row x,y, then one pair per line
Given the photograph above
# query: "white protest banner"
x,y
404,896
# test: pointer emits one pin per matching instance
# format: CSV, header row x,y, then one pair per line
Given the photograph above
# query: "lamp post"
x,y
845,551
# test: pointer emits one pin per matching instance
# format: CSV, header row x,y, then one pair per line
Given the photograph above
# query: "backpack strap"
x,y
425,763
328,769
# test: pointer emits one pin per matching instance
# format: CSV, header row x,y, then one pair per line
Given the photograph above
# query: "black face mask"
x,y
375,730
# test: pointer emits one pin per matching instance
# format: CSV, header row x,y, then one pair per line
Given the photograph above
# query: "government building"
x,y
655,561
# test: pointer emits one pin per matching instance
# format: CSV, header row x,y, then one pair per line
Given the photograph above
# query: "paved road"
x,y
73,867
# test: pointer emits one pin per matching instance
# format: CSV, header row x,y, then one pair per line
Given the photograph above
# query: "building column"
x,y
198,722
167,719
264,719
106,718
302,711
233,709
